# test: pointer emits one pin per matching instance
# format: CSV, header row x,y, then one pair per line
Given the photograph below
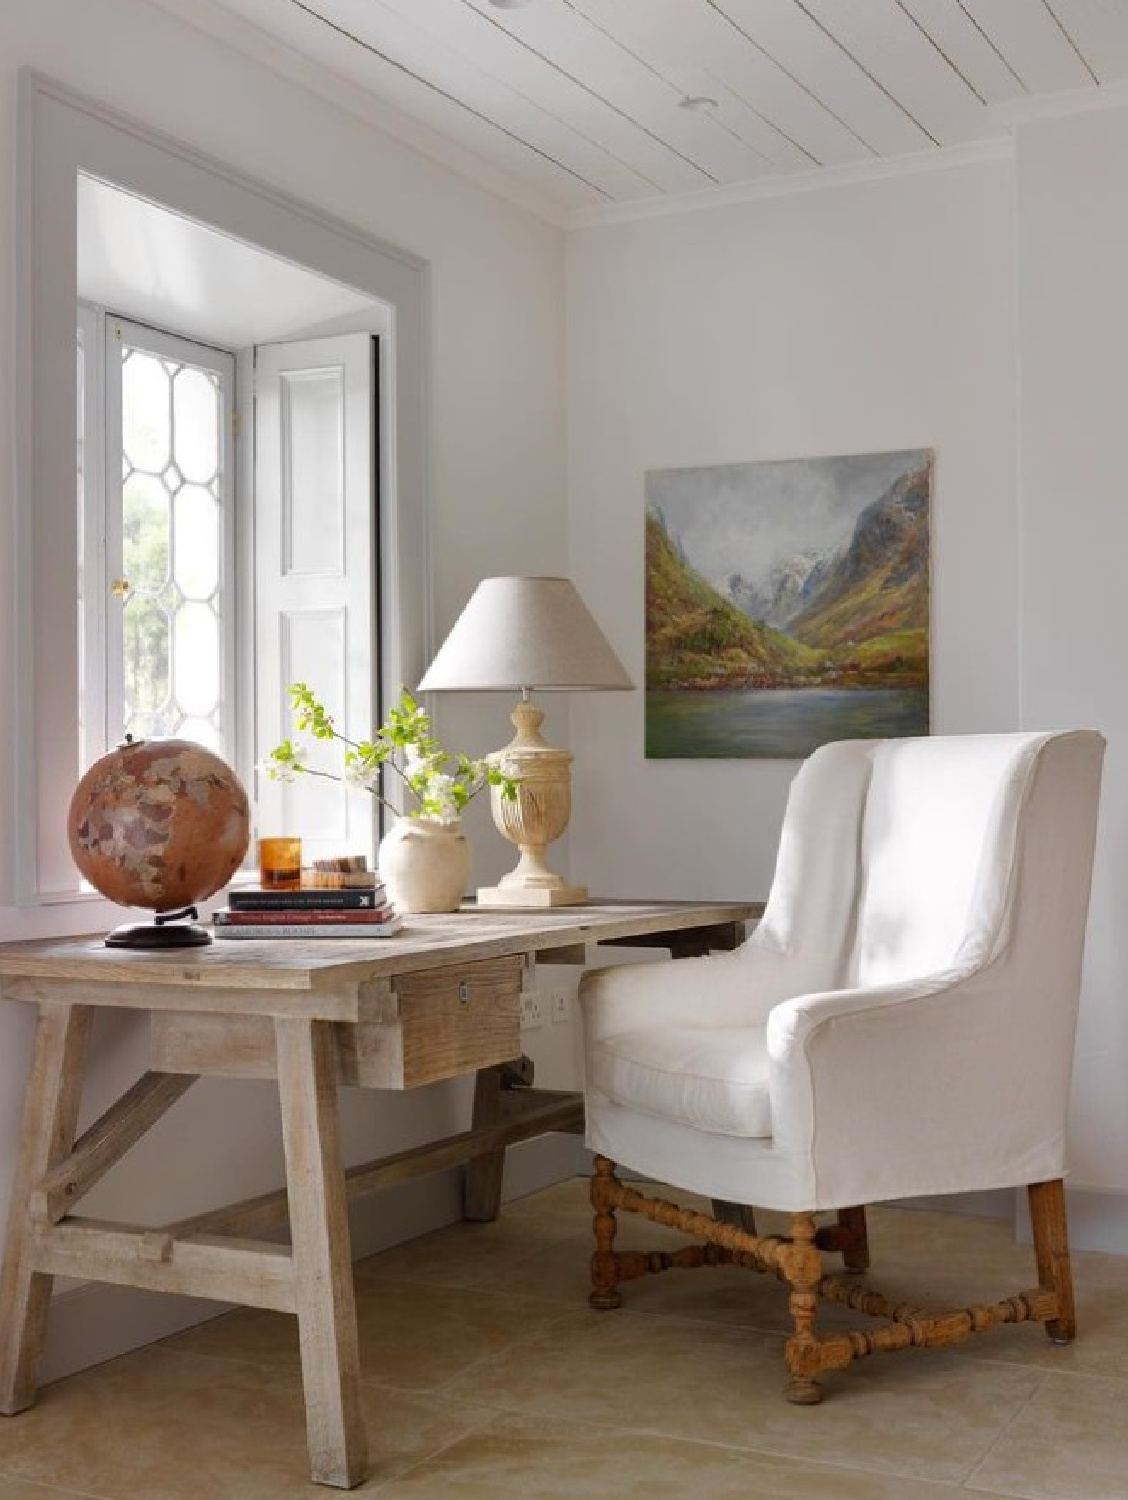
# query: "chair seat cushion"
x,y
714,1078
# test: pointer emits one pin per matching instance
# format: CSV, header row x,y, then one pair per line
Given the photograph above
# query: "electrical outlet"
x,y
561,1014
532,1010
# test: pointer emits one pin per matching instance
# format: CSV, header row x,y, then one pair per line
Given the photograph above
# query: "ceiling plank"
x,y
488,49
1033,43
643,85
703,39
324,44
382,34
899,55
1099,31
575,103
967,47
807,39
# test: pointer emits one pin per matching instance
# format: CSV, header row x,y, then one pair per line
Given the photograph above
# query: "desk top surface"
x,y
423,942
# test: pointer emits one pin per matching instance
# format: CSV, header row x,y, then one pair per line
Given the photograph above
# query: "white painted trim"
x,y
342,93
818,179
63,133
1055,106
92,1322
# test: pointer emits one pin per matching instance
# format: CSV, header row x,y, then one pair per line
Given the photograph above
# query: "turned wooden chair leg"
x,y
605,1294
855,1252
802,1266
742,1215
1051,1247
54,1092
319,1231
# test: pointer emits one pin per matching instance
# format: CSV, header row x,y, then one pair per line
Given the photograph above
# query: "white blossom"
x,y
361,775
440,792
285,770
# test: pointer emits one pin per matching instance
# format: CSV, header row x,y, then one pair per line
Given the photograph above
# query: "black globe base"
x,y
168,930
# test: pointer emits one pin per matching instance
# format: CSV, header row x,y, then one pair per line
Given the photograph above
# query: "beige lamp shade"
x,y
517,634
525,633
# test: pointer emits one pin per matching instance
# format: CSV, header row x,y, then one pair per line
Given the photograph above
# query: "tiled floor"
x,y
486,1375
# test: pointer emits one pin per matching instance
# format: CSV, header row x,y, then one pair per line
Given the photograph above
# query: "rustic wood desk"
x,y
440,999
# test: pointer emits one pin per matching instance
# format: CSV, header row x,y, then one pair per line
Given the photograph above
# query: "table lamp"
x,y
519,634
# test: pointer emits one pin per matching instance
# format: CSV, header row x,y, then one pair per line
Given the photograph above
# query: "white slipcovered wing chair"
x,y
900,1024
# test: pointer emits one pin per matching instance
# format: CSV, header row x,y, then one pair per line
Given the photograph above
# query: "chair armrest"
x,y
796,1022
920,1088
718,989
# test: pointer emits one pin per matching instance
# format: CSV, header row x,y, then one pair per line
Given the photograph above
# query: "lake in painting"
x,y
781,723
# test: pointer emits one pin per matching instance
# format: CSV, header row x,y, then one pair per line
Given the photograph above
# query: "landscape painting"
x,y
787,604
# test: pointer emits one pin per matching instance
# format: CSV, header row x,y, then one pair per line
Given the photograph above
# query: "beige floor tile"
x,y
413,1335
159,1425
534,1254
515,1459
1070,1443
466,1254
571,1198
704,1383
1101,1346
487,1375
27,1489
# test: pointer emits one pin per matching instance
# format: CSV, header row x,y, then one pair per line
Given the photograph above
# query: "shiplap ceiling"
x,y
580,102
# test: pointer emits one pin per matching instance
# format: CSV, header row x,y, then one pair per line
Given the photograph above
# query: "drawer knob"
x,y
463,992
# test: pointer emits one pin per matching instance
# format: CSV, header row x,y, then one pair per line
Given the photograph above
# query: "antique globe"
x,y
161,824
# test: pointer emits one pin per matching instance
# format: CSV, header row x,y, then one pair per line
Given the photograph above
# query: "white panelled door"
x,y
316,573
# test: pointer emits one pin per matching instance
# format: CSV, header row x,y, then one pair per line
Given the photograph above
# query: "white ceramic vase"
x,y
424,864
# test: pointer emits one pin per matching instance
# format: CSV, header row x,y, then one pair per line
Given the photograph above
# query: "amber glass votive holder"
x,y
280,864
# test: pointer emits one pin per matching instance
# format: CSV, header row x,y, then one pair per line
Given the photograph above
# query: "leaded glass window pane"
x,y
172,654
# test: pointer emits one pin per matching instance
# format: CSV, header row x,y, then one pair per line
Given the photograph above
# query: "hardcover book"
x,y
254,898
261,932
331,917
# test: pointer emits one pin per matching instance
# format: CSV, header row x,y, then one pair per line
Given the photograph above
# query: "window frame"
x,y
64,134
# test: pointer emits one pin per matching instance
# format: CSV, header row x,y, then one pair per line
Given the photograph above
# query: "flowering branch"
x,y
441,784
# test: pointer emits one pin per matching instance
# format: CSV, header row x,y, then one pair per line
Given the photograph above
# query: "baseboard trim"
x,y
94,1322
999,1203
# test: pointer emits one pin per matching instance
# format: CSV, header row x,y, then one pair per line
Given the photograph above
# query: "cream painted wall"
x,y
852,319
496,483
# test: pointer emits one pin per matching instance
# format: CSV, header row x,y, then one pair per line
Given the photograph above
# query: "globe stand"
x,y
166,930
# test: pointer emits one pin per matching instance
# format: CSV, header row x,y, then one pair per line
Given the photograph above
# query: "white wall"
x,y
849,320
1073,334
497,474
980,309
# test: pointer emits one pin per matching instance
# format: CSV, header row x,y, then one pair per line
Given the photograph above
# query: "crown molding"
x,y
1085,101
818,179
333,88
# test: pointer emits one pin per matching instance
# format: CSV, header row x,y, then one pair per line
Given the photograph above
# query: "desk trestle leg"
x,y
307,1086
481,1192
54,1092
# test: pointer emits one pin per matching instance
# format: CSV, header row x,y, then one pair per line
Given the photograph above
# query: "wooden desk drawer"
x,y
438,1023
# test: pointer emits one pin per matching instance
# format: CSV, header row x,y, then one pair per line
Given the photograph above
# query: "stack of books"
x,y
308,912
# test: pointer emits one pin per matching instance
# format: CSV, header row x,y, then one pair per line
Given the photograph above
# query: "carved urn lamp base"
x,y
534,818
532,897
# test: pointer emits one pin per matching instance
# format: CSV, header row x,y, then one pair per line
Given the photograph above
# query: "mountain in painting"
x,y
697,638
783,594
869,608
854,616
